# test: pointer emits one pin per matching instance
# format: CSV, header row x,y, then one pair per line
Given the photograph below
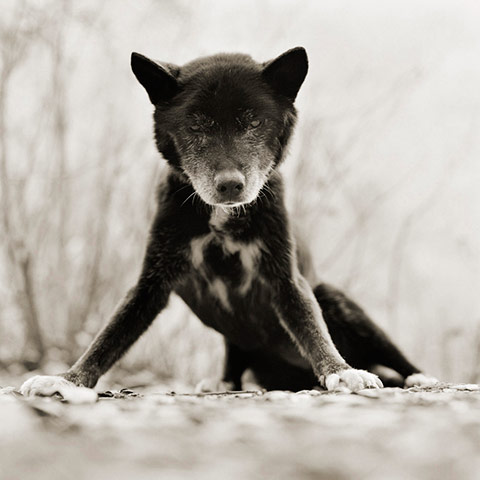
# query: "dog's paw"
x,y
48,385
213,385
352,380
44,385
420,380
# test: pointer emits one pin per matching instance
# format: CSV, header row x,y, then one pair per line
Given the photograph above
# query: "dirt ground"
x,y
154,434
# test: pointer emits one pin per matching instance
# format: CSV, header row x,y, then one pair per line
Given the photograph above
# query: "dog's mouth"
x,y
217,201
232,205
230,200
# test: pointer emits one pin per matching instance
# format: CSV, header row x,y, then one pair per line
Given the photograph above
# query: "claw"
x,y
332,381
378,382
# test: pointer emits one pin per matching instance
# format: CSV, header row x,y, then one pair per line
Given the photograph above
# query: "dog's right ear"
x,y
158,80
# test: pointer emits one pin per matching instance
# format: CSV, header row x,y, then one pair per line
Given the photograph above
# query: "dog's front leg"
x,y
164,264
131,319
301,316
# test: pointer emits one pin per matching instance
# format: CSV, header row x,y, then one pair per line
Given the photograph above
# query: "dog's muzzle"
x,y
229,186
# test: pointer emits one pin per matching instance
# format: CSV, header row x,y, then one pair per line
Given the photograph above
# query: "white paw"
x,y
47,385
213,385
353,380
420,380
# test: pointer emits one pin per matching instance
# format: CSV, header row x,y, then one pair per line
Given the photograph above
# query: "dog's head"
x,y
225,120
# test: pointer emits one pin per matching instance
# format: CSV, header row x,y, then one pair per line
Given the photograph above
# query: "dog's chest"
x,y
228,267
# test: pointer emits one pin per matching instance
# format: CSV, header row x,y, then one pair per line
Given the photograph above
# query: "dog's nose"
x,y
229,184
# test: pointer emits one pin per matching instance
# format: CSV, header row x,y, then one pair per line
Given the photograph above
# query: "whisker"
x,y
188,198
180,189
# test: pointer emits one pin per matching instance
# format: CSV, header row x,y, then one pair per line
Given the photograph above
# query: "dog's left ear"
x,y
159,80
286,73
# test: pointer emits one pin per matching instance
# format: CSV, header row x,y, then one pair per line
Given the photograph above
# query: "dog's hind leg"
x,y
235,364
362,343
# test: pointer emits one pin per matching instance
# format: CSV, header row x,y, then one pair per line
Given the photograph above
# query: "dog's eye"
x,y
195,128
255,123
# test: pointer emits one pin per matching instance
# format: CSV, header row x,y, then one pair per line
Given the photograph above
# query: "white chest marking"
x,y
219,289
197,246
249,255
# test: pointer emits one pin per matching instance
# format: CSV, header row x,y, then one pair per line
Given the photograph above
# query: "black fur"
x,y
230,253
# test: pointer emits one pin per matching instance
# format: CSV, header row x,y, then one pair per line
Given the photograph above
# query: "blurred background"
x,y
383,173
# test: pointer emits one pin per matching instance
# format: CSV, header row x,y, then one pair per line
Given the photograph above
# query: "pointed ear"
x,y
286,73
158,80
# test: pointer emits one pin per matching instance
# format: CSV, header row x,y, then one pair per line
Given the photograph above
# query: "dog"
x,y
223,241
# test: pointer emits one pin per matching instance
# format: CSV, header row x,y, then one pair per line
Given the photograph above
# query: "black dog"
x,y
222,239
